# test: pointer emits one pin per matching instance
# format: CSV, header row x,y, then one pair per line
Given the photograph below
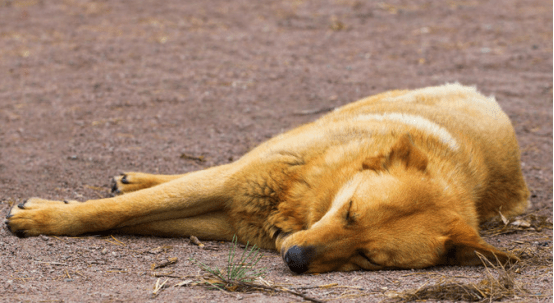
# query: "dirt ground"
x,y
89,89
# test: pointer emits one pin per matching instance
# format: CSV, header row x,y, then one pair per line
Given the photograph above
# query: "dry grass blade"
x,y
497,285
504,219
449,291
243,269
241,273
247,286
116,240
528,222
158,287
199,159
184,283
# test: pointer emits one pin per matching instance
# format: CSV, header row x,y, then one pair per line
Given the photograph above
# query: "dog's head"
x,y
391,215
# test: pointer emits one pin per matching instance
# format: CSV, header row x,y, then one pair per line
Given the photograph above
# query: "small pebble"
x,y
485,50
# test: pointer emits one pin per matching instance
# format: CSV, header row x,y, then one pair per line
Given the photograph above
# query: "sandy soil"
x,y
92,88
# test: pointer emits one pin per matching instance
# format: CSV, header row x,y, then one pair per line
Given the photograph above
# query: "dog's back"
x,y
458,124
472,126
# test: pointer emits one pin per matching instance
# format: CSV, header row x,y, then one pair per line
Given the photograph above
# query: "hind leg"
x,y
133,181
209,226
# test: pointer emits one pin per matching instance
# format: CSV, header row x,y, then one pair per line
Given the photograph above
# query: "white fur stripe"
x,y
343,196
418,122
436,92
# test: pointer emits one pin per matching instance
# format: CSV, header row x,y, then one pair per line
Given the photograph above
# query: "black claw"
x,y
21,205
114,188
124,180
8,216
19,233
8,225
65,201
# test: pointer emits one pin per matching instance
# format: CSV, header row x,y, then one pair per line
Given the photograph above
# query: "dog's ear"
x,y
375,163
406,152
465,247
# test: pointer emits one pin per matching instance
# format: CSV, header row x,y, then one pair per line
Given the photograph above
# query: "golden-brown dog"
x,y
398,180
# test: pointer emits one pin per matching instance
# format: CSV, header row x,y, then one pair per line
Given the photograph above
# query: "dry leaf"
x,y
160,249
165,263
521,223
504,220
195,240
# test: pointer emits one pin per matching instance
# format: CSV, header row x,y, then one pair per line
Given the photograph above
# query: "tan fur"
x,y
397,180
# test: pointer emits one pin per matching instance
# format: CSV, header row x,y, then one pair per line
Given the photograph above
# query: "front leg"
x,y
31,218
191,195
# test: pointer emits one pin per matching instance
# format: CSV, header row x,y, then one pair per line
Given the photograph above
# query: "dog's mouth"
x,y
278,236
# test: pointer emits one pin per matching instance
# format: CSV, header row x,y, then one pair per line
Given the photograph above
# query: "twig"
x,y
169,275
278,288
165,263
112,242
51,263
193,158
215,285
241,272
313,111
332,285
58,238
421,273
258,286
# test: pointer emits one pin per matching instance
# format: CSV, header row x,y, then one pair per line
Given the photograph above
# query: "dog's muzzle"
x,y
298,258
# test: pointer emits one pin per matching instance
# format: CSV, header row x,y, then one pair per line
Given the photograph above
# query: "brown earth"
x,y
92,88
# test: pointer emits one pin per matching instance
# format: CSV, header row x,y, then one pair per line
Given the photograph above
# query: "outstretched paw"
x,y
129,182
37,216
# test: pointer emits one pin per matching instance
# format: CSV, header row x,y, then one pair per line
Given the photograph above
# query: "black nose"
x,y
298,258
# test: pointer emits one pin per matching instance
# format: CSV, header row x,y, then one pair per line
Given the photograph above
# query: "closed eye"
x,y
348,218
350,215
